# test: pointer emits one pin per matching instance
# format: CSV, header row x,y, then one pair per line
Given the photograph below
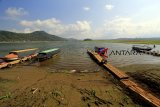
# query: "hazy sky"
x,y
97,19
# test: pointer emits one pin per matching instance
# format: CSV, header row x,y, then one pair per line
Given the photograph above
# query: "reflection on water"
x,y
73,54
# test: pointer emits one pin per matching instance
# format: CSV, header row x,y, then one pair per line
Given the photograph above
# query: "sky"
x,y
80,19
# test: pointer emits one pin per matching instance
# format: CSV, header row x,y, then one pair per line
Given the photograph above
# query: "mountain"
x,y
34,36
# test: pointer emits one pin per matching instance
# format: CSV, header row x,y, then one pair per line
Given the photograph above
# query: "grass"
x,y
129,41
140,41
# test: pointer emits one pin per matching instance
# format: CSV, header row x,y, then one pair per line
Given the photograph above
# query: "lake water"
x,y
73,54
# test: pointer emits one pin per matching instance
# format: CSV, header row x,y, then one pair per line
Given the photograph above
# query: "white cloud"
x,y
16,12
125,27
118,27
79,29
86,8
25,30
109,6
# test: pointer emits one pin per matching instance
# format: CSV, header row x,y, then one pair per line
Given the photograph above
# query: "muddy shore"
x,y
30,86
147,75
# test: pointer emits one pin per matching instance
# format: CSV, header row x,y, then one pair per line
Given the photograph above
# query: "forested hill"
x,y
34,36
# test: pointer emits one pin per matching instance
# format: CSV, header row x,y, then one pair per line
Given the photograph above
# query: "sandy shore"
x,y
30,86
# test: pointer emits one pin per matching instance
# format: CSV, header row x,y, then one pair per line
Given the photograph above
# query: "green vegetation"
x,y
7,36
140,41
130,41
8,95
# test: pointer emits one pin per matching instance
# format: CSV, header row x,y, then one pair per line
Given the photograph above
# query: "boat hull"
x,y
10,59
141,48
47,55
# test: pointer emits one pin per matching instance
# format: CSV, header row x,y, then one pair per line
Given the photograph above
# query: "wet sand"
x,y
31,86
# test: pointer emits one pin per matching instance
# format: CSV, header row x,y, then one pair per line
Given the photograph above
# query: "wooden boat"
x,y
16,58
43,55
14,55
141,48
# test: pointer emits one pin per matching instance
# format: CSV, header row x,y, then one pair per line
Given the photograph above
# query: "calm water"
x,y
73,54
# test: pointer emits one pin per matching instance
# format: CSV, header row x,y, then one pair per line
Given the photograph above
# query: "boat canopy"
x,y
50,50
25,50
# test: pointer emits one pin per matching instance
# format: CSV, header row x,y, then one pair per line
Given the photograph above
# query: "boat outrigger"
x,y
14,58
43,55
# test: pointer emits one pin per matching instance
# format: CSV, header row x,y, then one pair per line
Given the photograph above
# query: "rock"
x,y
84,71
72,71
97,70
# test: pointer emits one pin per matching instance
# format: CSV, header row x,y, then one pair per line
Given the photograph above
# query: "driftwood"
x,y
34,90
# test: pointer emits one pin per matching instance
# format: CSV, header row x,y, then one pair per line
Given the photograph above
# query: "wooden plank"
x,y
25,50
132,86
116,72
95,55
98,58
14,62
154,101
113,70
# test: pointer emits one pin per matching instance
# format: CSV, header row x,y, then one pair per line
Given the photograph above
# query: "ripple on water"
x,y
73,55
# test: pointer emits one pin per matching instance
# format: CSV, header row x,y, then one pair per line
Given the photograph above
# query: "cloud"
x,y
79,29
109,6
118,27
25,30
16,12
125,27
86,8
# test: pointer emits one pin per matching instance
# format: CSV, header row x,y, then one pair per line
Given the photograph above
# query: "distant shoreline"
x,y
156,42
